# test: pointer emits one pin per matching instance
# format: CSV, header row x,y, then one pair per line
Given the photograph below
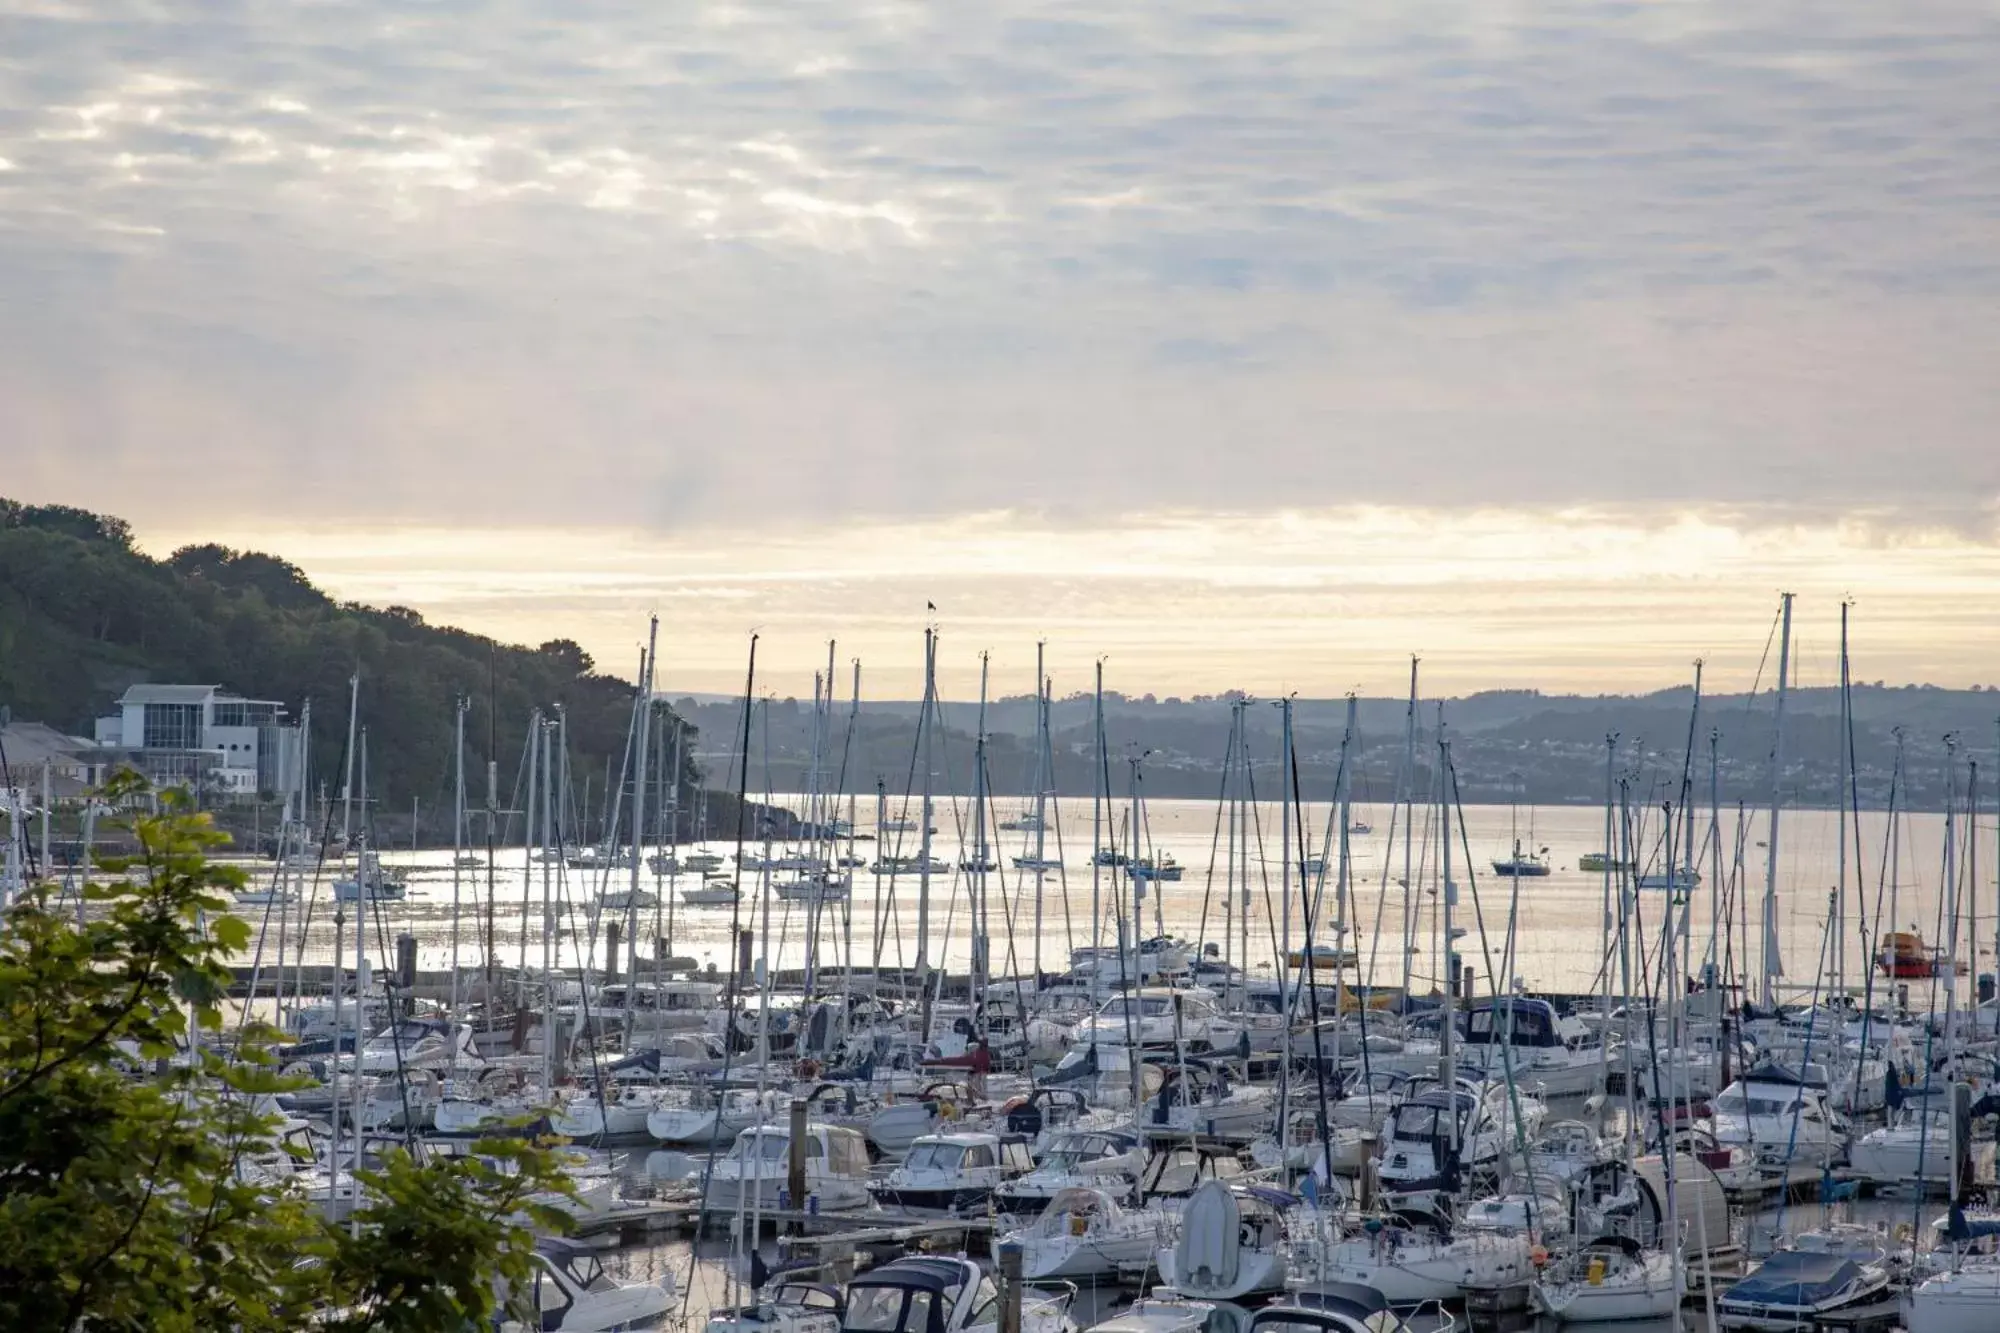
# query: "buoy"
x,y
1596,1277
1539,1255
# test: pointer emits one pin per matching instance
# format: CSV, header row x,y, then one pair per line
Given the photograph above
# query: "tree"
x,y
123,1199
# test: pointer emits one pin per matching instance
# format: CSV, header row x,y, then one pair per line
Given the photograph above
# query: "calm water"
x,y
1557,926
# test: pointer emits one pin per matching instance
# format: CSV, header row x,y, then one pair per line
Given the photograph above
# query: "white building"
x,y
203,733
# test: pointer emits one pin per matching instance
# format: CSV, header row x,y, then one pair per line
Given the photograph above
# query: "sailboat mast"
x,y
1409,826
1846,780
1099,793
924,847
1286,986
347,782
980,924
1447,897
642,751
457,838
1773,964
1042,757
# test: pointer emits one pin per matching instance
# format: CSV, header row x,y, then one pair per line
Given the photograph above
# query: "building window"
x,y
172,726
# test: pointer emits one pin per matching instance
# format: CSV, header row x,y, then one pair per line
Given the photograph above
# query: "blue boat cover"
x,y
1795,1279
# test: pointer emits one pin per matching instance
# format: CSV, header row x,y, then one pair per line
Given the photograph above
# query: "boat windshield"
x,y
935,1157
1145,1006
1736,1103
881,1310
1075,1149
404,1034
1415,1121
767,1147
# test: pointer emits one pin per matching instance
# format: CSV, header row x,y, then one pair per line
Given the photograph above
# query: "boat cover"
x,y
1795,1279
1207,1252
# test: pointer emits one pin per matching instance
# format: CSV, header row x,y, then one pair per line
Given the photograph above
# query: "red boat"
x,y
1904,955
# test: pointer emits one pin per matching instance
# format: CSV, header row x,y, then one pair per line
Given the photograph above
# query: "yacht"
x,y
1199,1099
953,1173
569,1289
716,893
702,1116
1103,1159
1610,1280
1438,1135
1794,1289
784,1306
757,1170
1165,1311
1347,1307
1781,1116
1231,1245
1160,1017
1084,1233
939,1294
1916,1147
1415,1255
1526,1039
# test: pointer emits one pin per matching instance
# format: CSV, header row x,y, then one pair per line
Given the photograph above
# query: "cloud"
x,y
536,262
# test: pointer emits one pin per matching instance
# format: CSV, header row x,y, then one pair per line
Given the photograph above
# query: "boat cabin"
x,y
922,1295
1335,1307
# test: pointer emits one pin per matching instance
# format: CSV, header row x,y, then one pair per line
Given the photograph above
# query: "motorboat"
x,y
1793,1289
701,862
939,1294
1347,1307
1903,955
1161,1018
1165,1311
1161,868
1038,863
622,900
1084,1233
756,1172
1231,1243
1526,1039
661,1006
784,1305
1439,1135
420,1043
953,1173
1780,1115
371,880
1917,1147
1101,1159
1611,1279
569,1289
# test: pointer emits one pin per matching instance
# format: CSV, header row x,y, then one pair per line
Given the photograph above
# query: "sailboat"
x,y
1523,863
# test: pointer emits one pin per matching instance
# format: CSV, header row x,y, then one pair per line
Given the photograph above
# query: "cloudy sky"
x,y
1247,344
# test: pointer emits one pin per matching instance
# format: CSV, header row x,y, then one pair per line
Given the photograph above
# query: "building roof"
x,y
169,694
29,743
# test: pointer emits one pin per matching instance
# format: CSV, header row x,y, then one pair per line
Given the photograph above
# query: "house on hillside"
x,y
203,736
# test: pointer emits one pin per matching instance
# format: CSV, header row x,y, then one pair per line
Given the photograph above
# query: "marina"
x,y
1207,1086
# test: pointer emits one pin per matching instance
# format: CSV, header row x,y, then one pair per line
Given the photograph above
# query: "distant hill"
x,y
1548,748
83,615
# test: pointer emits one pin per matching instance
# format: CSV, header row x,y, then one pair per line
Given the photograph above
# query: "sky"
x,y
1240,345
